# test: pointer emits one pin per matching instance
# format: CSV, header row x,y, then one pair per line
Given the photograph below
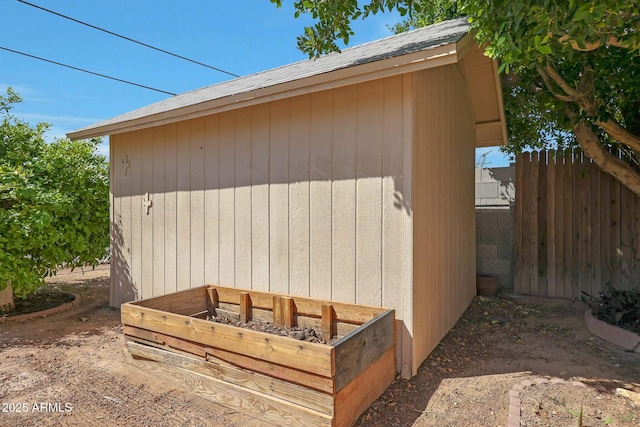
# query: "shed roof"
x,y
434,45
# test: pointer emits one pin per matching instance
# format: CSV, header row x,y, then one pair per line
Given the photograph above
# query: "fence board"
x,y
577,228
550,192
518,270
542,224
625,236
559,225
606,252
535,237
596,229
615,230
567,215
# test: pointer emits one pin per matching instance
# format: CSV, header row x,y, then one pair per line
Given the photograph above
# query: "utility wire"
x,y
86,71
127,38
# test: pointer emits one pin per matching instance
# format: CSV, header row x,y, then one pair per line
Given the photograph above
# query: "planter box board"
x,y
280,379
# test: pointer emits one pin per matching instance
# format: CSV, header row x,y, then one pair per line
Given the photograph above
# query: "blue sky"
x,y
241,37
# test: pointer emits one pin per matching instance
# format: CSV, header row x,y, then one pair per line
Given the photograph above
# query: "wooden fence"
x,y
576,228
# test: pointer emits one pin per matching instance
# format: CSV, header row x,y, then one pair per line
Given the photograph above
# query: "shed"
x,y
349,177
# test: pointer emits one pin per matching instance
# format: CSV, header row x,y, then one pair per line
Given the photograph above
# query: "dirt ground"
x,y
71,369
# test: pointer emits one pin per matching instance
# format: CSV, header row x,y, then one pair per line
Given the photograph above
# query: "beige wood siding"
x,y
443,201
301,196
362,194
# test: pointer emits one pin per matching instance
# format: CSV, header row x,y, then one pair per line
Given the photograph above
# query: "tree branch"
x,y
549,85
611,41
619,133
566,87
593,148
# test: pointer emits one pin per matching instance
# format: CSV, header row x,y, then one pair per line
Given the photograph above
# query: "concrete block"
x,y
506,281
505,251
486,219
506,220
504,235
487,190
504,175
486,236
487,251
488,175
497,267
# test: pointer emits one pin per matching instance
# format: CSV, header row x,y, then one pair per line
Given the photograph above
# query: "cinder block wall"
x,y
495,201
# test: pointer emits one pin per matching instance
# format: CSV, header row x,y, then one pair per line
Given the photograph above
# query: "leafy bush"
x,y
54,202
619,308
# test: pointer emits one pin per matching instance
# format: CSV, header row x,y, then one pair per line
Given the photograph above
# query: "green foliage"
x,y
54,202
592,47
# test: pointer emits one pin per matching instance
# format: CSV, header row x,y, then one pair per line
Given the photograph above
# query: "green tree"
x,y
54,202
571,67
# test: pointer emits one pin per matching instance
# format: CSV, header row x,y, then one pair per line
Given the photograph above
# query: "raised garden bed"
x,y
277,378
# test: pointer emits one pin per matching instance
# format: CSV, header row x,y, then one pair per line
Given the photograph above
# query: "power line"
x,y
127,38
86,71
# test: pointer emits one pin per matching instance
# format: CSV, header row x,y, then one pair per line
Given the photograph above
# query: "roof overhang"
x,y
485,92
479,70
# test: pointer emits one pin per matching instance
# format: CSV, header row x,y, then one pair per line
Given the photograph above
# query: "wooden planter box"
x,y
280,379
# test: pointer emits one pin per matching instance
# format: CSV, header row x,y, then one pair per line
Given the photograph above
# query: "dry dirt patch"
x,y
78,357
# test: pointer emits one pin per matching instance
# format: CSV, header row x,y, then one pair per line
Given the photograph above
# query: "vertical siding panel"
x,y
243,198
170,205
368,193
320,236
122,281
426,146
183,205
406,355
299,195
227,199
197,202
114,223
147,256
443,266
158,190
393,204
344,194
260,198
279,198
211,199
136,214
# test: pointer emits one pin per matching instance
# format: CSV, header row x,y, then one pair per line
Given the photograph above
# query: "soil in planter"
x,y
296,332
38,301
558,405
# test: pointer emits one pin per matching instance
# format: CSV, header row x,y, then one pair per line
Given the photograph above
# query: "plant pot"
x,y
486,285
